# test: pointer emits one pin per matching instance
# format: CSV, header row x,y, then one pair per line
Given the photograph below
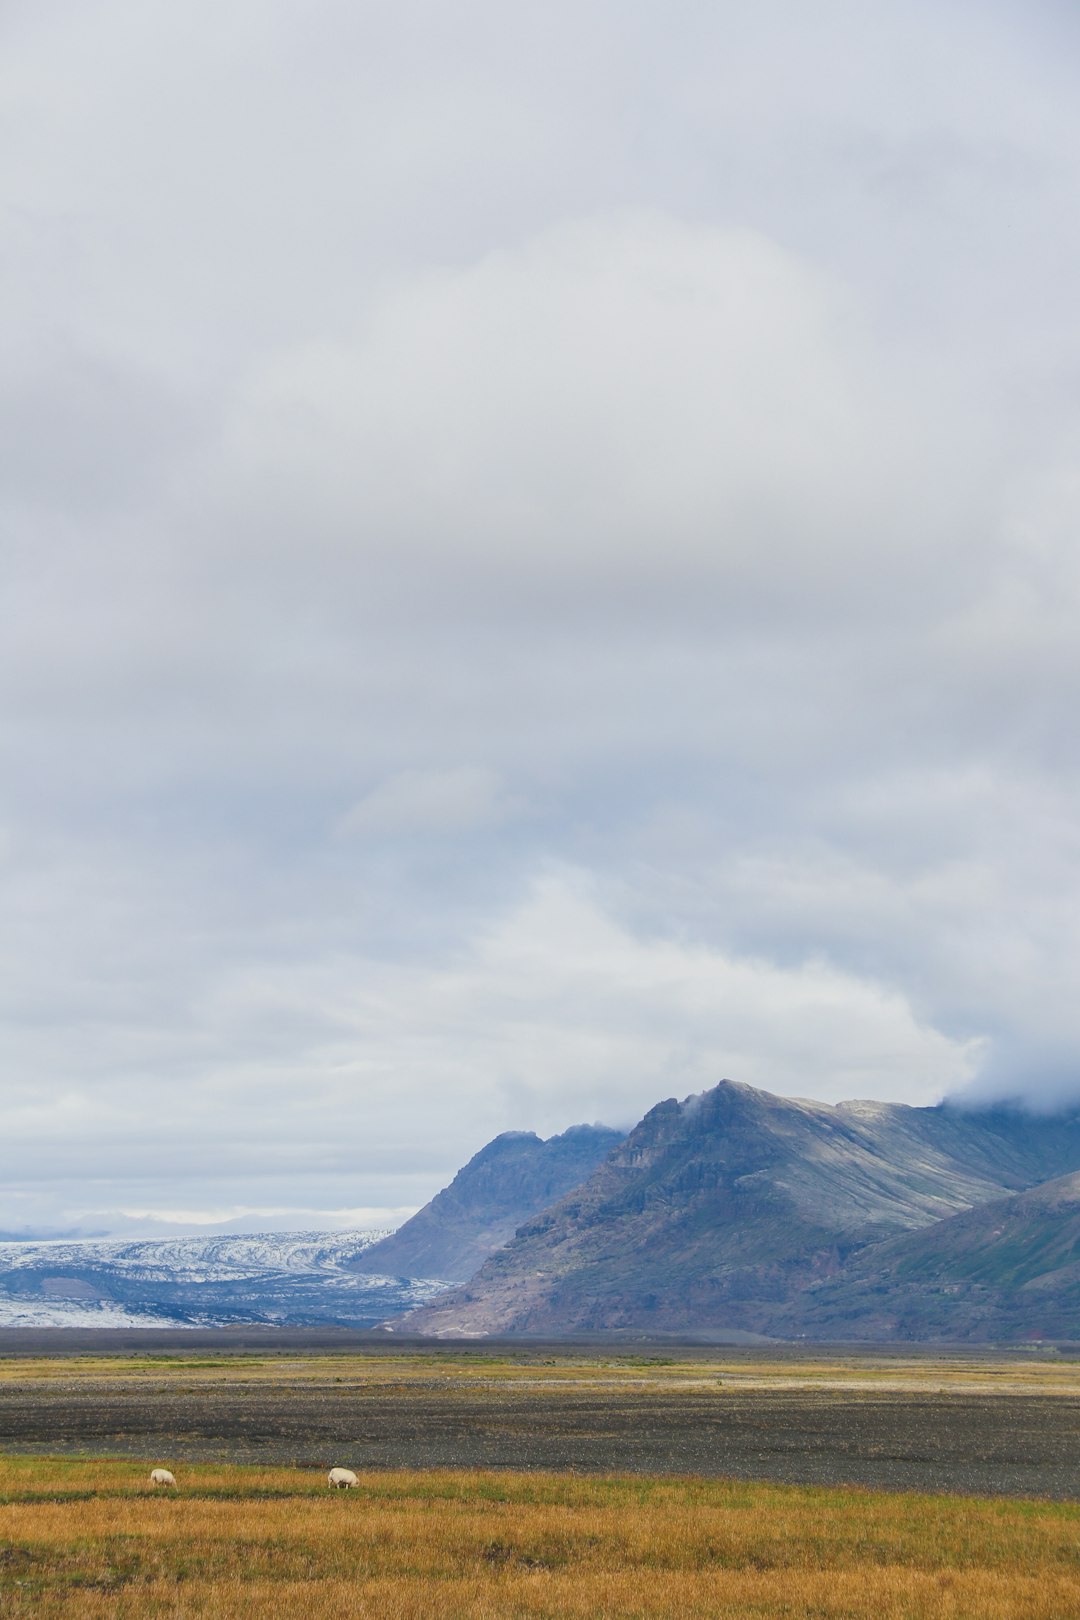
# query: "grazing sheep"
x,y
161,1476
341,1479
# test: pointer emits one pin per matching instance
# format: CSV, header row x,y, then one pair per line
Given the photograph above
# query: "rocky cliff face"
x,y
502,1186
735,1209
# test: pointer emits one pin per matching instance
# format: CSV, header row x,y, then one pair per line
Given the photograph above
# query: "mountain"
x,y
733,1210
736,1208
510,1180
295,1278
1009,1269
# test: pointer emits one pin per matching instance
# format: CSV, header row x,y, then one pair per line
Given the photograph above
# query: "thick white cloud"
x,y
621,413
539,570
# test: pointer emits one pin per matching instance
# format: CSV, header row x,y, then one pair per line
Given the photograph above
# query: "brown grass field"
x,y
88,1537
82,1533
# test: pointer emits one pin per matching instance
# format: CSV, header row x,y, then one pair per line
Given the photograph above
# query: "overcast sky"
x,y
541,558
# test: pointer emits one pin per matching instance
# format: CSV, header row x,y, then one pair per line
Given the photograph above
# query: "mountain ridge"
x,y
1006,1269
731,1208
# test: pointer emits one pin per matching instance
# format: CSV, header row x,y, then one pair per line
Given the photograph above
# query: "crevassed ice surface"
x,y
295,1278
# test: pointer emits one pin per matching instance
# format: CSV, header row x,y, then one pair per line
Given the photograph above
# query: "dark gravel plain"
x,y
993,1443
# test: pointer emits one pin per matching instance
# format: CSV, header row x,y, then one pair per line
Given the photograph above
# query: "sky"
x,y
539,571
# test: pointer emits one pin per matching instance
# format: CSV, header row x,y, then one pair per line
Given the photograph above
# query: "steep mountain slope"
x,y
723,1209
298,1278
1009,1269
505,1184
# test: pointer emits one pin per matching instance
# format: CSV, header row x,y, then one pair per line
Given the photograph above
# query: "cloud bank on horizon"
x,y
540,572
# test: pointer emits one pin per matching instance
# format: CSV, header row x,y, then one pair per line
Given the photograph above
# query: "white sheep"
x,y
161,1476
341,1479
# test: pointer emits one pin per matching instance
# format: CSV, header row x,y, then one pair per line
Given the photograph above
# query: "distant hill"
x,y
505,1184
1009,1269
738,1209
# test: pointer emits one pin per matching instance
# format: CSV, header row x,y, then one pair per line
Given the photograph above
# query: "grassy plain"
x,y
81,1534
83,1537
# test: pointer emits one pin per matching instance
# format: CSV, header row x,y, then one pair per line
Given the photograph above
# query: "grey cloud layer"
x,y
539,571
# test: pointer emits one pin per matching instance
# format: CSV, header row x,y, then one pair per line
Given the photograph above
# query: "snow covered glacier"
x,y
281,1278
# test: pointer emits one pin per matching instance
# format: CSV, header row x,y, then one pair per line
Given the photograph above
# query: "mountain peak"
x,y
505,1184
508,1144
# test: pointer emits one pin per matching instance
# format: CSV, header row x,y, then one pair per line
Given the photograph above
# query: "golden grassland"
x,y
85,1537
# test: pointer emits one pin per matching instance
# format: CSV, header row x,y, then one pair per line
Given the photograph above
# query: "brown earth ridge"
x,y
736,1209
